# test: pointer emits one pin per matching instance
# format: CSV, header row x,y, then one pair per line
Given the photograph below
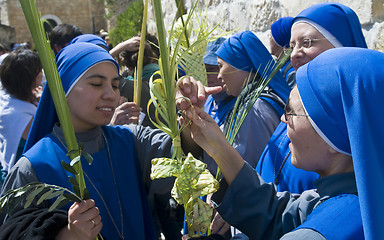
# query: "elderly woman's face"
x,y
93,99
300,33
309,151
232,77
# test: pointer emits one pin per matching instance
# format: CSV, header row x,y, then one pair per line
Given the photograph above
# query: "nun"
x,y
118,208
243,62
336,131
316,29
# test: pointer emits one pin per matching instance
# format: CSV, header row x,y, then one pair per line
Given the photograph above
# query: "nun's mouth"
x,y
106,109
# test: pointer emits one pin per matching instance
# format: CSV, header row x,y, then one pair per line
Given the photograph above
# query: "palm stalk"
x,y
139,74
192,177
35,25
249,95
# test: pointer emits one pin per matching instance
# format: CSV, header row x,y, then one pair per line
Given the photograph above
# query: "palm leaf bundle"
x,y
192,177
41,191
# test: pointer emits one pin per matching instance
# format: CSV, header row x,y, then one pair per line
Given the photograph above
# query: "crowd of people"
x,y
304,162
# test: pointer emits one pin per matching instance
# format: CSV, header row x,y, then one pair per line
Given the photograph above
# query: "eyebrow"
x,y
96,75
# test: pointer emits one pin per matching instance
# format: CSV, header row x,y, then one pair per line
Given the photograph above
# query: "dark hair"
x,y
18,73
151,53
62,34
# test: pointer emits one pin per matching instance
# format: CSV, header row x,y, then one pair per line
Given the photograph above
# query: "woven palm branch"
x,y
192,177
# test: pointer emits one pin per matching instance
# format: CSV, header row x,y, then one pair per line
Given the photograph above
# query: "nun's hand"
x,y
195,91
84,221
219,225
205,132
126,113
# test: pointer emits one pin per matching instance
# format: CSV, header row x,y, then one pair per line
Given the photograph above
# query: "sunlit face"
x,y
301,56
212,73
309,151
232,77
93,99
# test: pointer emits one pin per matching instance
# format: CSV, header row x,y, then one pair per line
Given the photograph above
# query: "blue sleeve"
x,y
256,209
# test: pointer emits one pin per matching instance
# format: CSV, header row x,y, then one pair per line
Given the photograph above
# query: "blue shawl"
x,y
72,61
246,52
341,91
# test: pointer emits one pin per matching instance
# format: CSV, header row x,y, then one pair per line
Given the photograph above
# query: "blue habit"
x,y
337,218
135,209
341,90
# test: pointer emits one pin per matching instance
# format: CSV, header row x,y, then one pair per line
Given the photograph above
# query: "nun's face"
x,y
93,99
300,33
309,151
232,77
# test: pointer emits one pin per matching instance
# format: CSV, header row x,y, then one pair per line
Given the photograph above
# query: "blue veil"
x,y
281,31
341,90
90,38
72,61
339,20
246,52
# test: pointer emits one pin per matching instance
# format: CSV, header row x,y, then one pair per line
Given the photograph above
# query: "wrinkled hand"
x,y
219,225
126,113
84,221
195,91
205,131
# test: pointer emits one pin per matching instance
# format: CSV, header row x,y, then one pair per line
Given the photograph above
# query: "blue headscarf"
x,y
90,38
338,20
72,62
210,57
342,90
246,52
281,31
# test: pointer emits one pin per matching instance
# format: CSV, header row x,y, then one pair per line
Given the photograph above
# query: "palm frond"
x,y
39,35
37,193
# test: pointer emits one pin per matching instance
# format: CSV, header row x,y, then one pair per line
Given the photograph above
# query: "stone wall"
x,y
258,15
88,15
7,35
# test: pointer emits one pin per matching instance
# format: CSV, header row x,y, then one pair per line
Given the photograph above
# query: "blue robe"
x,y
136,214
337,218
219,110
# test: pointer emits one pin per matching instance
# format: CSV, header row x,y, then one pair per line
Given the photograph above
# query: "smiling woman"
x,y
316,29
98,93
122,157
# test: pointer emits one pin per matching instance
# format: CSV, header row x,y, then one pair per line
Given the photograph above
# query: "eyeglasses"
x,y
306,43
288,116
